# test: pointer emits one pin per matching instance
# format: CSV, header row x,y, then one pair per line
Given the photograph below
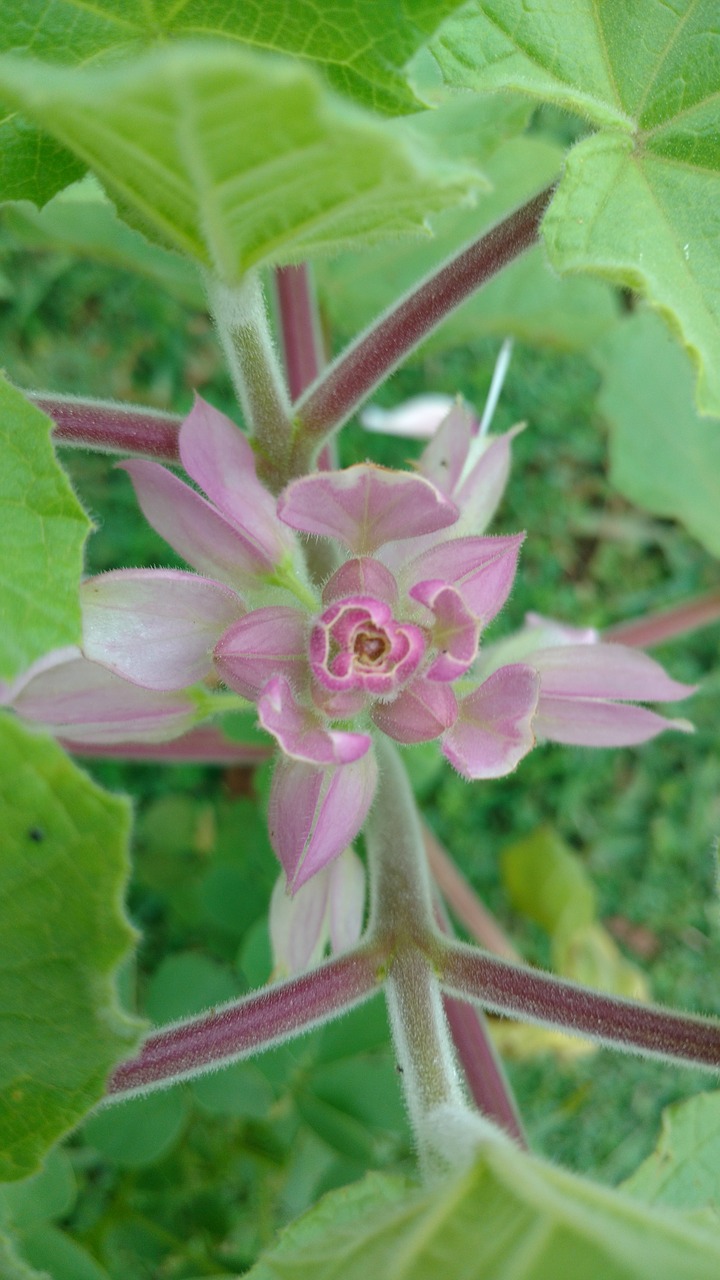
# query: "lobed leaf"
x,y
63,865
44,529
663,456
234,158
638,203
511,1215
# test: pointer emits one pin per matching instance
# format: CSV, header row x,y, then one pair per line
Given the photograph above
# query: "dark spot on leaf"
x,y
36,834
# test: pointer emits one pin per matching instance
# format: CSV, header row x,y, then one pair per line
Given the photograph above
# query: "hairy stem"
x,y
464,901
667,623
299,327
482,1067
538,997
377,352
106,427
242,323
249,1025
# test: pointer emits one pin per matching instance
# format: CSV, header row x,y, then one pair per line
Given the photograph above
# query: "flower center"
x,y
371,646
357,644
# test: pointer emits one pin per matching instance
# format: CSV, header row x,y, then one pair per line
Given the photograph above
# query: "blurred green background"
x,y
194,1181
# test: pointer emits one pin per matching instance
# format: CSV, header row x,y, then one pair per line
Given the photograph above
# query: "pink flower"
x,y
391,643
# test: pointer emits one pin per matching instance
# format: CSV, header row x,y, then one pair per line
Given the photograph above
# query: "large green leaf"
x,y
663,456
527,300
683,1171
362,49
235,158
511,1215
639,202
63,864
43,530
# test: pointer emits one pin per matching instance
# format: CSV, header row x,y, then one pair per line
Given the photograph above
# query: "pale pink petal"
x,y
548,632
443,460
482,569
361,576
493,730
266,642
297,925
214,451
365,506
346,901
315,813
588,722
482,486
417,418
420,713
193,527
80,701
155,627
301,733
455,633
605,671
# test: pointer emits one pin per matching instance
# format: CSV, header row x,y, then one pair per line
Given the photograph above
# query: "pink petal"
x,y
417,418
346,901
482,569
493,730
586,722
605,671
214,451
155,627
479,492
444,458
301,733
266,642
199,533
361,576
365,506
315,813
297,926
80,701
420,713
455,632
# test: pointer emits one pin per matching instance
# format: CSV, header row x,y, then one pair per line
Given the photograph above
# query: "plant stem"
x,y
464,901
538,997
378,351
482,1067
299,327
242,324
655,628
401,908
204,745
106,427
250,1025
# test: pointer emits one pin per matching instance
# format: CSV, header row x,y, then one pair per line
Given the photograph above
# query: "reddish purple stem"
x,y
483,1072
111,428
538,997
204,745
667,623
250,1025
299,327
382,347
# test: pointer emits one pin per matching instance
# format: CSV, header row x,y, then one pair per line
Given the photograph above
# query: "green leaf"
x,y
308,174
663,456
50,1248
638,202
547,883
683,1171
11,1266
511,1215
89,228
44,528
139,1131
527,300
63,865
46,1196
